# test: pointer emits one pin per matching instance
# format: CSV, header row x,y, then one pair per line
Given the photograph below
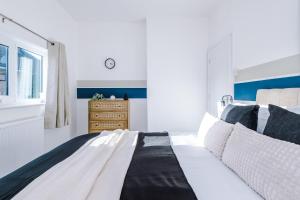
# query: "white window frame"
x,y
13,46
11,66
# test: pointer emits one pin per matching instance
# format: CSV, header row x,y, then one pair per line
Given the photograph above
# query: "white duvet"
x,y
97,171
86,173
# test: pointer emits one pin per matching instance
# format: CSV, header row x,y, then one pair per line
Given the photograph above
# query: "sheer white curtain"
x,y
25,78
57,111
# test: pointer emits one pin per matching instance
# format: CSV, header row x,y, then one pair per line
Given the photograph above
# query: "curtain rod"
x,y
20,25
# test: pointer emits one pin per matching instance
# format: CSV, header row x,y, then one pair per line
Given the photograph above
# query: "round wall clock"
x,y
110,63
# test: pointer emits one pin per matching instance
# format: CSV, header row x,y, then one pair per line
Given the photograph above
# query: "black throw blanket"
x,y
154,172
14,182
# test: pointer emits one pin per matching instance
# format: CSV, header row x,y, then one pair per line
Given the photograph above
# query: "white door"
x,y
220,74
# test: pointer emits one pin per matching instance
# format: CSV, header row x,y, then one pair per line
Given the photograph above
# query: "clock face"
x,y
110,63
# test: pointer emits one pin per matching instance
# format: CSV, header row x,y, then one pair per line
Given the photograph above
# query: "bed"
x,y
204,172
128,165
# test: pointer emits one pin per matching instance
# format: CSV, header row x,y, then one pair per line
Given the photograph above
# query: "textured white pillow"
x,y
270,166
213,134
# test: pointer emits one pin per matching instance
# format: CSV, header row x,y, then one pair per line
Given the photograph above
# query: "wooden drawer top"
x,y
108,105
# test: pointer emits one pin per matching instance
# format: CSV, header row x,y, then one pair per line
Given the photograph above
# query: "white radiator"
x,y
20,142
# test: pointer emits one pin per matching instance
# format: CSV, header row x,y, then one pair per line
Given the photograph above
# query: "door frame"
x,y
231,71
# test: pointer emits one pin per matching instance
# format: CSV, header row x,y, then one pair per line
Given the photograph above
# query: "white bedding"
x,y
87,171
208,176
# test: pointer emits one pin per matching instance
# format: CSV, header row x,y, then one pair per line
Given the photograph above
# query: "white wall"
x,y
262,30
49,19
123,41
265,30
220,22
126,43
176,73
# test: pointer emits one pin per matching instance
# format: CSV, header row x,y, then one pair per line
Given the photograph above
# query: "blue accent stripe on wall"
x,y
247,91
87,93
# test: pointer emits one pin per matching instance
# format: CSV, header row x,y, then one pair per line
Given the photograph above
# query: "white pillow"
x,y
270,166
264,114
213,134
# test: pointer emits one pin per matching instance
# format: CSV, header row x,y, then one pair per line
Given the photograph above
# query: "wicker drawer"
x,y
95,116
108,105
108,115
107,125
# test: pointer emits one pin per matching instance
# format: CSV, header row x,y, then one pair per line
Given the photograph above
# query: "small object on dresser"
x,y
125,96
112,97
98,96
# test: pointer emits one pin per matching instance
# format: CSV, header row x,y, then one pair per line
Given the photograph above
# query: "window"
x,y
30,75
3,70
23,70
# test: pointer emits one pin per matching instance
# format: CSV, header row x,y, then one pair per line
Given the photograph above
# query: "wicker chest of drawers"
x,y
108,115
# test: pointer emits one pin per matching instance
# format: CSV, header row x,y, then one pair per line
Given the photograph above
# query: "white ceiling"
x,y
135,9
